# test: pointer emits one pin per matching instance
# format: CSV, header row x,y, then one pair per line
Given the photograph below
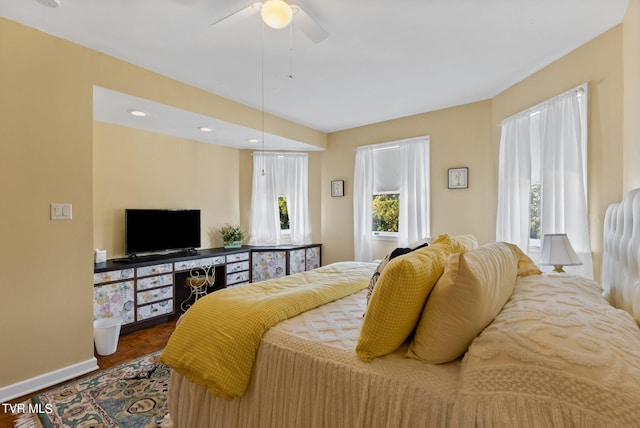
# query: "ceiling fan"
x,y
278,14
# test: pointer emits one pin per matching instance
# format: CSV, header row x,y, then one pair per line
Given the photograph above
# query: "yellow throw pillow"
x,y
460,243
398,298
473,289
392,255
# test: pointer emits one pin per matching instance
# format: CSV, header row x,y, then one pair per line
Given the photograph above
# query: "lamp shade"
x,y
557,251
276,13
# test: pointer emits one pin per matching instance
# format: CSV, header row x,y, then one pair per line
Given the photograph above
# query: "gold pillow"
x,y
526,266
398,298
474,287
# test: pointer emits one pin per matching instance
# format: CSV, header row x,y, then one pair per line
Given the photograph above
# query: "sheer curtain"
x,y
285,174
407,171
514,183
561,124
362,199
563,176
414,217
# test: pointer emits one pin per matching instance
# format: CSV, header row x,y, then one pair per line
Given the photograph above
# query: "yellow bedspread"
x,y
216,341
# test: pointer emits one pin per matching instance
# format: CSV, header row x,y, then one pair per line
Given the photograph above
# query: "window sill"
x,y
384,236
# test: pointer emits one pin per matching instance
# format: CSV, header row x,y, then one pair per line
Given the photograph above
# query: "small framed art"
x,y
337,188
458,178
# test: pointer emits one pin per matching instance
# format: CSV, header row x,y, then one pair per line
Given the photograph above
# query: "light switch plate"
x,y
60,211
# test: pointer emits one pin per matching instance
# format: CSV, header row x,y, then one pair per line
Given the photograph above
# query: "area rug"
x,y
131,395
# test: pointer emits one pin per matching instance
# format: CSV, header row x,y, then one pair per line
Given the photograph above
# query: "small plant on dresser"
x,y
232,235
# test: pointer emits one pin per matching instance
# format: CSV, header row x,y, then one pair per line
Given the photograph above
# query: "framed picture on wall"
x,y
337,188
458,178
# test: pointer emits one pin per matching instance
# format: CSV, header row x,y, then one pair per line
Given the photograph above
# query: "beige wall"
x,y
460,136
46,156
46,133
141,169
631,66
599,63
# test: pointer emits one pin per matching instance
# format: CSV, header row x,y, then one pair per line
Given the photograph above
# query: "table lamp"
x,y
557,251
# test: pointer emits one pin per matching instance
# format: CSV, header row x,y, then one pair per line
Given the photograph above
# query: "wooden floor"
x,y
130,346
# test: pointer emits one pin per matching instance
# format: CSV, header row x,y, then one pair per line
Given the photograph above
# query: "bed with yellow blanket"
x,y
453,335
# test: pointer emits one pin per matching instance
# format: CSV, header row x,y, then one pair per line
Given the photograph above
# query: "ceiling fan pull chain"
x,y
291,75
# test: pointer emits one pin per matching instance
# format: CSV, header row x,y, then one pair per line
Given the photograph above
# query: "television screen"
x,y
152,230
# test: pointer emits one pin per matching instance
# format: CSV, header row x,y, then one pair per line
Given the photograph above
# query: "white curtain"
x,y
405,166
362,199
562,172
414,217
514,183
274,175
564,198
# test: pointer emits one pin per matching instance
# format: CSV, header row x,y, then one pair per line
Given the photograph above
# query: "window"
x,y
534,216
535,202
385,202
385,212
542,184
391,194
279,199
284,214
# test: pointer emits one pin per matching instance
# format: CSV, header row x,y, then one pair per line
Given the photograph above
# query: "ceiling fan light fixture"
x,y
276,14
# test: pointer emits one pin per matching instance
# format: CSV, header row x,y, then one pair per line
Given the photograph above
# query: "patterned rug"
x,y
131,395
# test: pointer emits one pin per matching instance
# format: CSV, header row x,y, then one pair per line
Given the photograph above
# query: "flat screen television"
x,y
158,230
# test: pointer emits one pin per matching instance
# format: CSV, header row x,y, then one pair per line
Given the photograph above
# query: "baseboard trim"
x,y
46,380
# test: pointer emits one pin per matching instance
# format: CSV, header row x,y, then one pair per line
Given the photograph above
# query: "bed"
x,y
489,341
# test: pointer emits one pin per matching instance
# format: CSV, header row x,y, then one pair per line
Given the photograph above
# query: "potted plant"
x,y
232,235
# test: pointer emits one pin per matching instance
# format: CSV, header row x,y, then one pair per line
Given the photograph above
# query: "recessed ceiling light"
x,y
205,129
138,113
253,140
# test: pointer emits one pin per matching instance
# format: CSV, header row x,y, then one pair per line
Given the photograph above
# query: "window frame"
x,y
381,234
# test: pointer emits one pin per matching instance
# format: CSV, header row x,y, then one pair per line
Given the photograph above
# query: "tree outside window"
x,y
284,213
534,211
385,209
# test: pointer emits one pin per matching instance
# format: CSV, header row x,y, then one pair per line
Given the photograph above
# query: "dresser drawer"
x,y
154,269
268,265
190,264
151,296
111,276
154,310
237,267
235,278
313,258
237,257
297,261
114,300
154,281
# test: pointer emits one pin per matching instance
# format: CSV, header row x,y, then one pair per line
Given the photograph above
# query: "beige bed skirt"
x,y
319,382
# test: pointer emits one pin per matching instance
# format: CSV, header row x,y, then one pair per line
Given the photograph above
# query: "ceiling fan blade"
x,y
308,26
238,15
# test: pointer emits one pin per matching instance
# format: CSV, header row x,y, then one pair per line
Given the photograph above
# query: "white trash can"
x,y
106,332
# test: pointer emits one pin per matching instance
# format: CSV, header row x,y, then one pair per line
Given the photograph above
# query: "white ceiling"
x,y
382,59
113,107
